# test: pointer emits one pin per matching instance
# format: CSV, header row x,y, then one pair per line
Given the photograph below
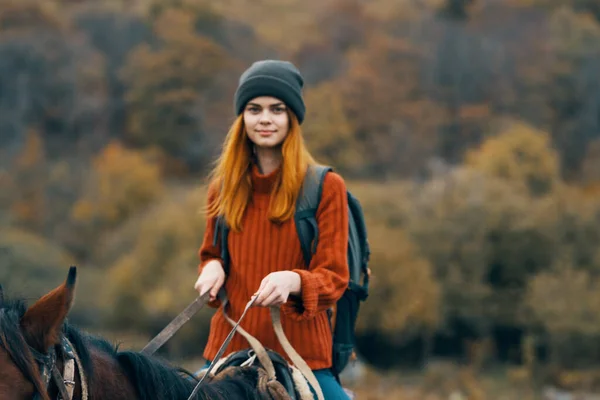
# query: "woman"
x,y
255,185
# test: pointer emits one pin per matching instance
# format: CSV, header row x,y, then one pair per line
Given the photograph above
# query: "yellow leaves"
x,y
396,128
404,292
328,131
29,14
84,210
296,22
520,154
590,168
122,182
174,26
156,274
469,112
573,32
167,82
33,151
566,300
31,263
29,173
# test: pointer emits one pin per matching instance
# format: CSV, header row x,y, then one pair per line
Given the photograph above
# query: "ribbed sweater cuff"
x,y
306,306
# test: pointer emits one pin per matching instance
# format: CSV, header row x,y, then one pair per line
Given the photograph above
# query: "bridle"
x,y
47,364
49,372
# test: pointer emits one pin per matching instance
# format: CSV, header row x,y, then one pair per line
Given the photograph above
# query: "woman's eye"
x,y
279,109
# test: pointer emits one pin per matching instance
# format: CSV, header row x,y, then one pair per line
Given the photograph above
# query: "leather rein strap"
x,y
292,354
169,330
259,349
222,348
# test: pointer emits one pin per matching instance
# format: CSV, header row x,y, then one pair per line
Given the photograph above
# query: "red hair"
x,y
231,175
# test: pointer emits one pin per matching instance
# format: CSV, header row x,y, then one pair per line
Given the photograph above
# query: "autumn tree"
x,y
396,128
464,77
167,83
152,280
29,174
54,83
114,32
121,183
590,166
456,9
29,263
581,6
573,82
521,155
565,302
328,131
412,292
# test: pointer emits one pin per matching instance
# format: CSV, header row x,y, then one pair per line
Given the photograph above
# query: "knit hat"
x,y
280,79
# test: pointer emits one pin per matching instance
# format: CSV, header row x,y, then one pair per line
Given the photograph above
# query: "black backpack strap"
x,y
222,232
359,244
306,209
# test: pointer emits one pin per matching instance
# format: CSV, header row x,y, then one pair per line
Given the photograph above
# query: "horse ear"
x,y
42,322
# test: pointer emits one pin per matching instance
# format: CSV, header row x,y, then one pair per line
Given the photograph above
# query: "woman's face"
x,y
266,120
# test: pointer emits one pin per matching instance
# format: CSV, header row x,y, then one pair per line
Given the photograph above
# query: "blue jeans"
x,y
330,387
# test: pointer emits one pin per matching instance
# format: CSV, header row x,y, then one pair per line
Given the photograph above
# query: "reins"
x,y
259,350
223,347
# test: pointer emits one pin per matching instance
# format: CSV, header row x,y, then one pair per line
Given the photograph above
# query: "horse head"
x,y
27,336
36,345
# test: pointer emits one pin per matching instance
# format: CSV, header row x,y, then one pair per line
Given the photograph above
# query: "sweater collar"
x,y
263,183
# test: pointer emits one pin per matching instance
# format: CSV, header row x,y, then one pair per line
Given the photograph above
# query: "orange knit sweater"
x,y
264,247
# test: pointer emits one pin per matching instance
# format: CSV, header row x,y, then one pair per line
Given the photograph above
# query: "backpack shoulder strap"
x,y
306,209
221,233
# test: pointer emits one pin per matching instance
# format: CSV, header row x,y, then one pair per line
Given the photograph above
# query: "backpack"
x,y
347,307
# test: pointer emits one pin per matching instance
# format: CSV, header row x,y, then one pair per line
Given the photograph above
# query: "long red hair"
x,y
231,175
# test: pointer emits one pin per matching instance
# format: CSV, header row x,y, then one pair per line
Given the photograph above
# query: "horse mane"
x,y
152,377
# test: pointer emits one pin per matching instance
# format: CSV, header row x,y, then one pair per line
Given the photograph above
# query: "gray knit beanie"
x,y
280,79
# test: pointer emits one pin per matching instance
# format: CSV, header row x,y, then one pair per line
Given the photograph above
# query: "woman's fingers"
x,y
264,293
274,299
214,291
208,285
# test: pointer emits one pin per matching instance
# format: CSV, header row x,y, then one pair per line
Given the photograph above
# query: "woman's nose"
x,y
265,117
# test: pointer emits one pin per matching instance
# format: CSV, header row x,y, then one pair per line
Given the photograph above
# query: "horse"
x,y
37,343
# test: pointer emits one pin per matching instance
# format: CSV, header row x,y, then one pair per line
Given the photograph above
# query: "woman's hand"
x,y
276,287
211,278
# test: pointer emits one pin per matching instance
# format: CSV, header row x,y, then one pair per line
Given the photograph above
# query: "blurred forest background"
x,y
469,130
